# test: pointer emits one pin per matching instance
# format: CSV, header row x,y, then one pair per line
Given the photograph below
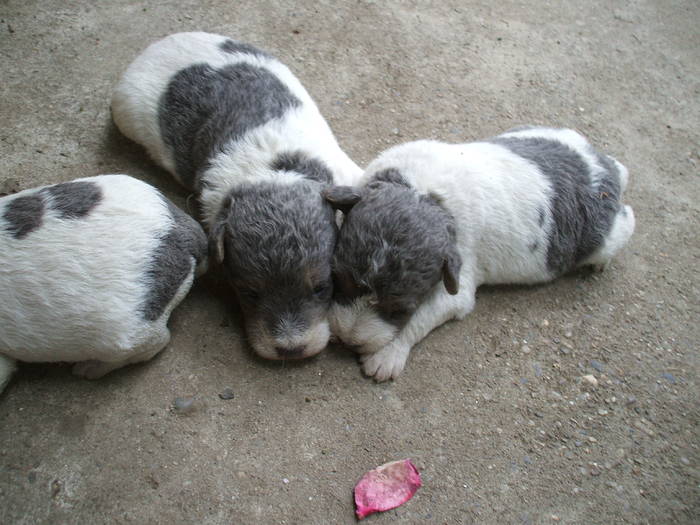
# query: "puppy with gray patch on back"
x,y
90,271
431,221
234,125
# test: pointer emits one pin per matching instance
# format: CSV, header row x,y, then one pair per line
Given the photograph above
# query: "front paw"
x,y
387,363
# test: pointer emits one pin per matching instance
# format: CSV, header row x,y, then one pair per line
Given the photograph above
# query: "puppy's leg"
x,y
7,368
93,369
389,362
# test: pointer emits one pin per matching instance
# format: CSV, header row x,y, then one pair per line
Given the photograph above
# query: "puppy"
x,y
432,221
90,271
233,124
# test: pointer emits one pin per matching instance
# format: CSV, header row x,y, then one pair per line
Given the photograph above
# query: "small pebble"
x,y
669,377
525,349
685,460
285,480
597,365
631,400
544,323
183,405
591,380
602,412
538,369
226,394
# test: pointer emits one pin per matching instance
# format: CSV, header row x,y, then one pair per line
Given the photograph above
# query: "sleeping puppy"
x,y
234,125
90,271
430,222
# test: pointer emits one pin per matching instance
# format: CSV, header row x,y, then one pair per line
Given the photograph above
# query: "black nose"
x,y
290,353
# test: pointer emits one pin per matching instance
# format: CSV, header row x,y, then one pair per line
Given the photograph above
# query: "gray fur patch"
x,y
299,162
582,212
73,200
171,261
24,215
391,175
278,244
231,46
204,109
393,243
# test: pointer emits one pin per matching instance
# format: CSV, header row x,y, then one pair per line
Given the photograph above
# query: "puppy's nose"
x,y
290,353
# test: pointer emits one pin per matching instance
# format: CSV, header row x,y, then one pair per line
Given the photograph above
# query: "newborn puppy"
x,y
432,221
233,124
90,271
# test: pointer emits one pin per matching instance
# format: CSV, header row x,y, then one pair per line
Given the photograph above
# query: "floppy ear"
x,y
342,198
450,270
218,231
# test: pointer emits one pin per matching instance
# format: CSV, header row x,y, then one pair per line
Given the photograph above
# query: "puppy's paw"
x,y
600,268
387,363
92,369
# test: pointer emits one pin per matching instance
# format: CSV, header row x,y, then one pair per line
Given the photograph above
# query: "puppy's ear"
x,y
450,270
342,198
218,231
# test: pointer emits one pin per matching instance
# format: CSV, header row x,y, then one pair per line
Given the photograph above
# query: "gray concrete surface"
x,y
502,431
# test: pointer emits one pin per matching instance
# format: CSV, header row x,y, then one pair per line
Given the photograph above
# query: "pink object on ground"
x,y
386,487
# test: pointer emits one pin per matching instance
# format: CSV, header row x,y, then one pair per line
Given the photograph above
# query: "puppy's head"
x,y
276,243
394,247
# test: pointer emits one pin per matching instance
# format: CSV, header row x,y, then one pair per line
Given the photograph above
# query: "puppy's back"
x,y
93,266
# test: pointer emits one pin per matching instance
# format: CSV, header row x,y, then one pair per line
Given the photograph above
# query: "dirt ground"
x,y
493,410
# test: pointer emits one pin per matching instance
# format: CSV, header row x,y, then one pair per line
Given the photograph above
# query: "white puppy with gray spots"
x,y
90,271
430,222
234,125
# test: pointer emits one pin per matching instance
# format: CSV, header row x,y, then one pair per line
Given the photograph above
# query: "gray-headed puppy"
x,y
432,221
233,124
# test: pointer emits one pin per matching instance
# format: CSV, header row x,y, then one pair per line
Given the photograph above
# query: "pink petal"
x,y
386,487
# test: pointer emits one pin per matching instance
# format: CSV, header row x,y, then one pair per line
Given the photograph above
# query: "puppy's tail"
x,y
7,368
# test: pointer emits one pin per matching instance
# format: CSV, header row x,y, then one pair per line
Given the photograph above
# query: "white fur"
x,y
135,111
494,196
313,340
72,289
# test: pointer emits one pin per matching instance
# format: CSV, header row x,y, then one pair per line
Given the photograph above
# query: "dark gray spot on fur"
x,y
534,246
24,215
391,175
582,211
541,216
171,261
301,163
278,244
73,200
204,109
231,46
394,243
